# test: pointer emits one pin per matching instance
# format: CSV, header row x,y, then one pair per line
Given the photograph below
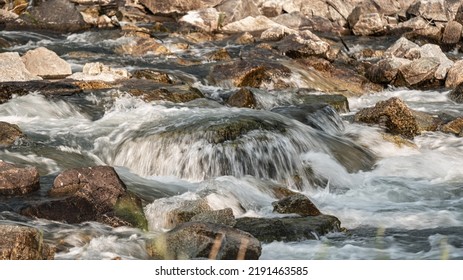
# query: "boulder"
x,y
370,24
47,88
208,19
177,6
271,8
187,210
46,64
304,44
10,134
338,101
452,33
288,229
15,180
250,24
379,7
434,10
426,121
13,68
23,243
97,71
455,75
392,114
195,240
457,93
432,50
243,98
176,94
222,216
403,48
459,14
385,71
418,73
236,10
296,204
90,194
276,33
454,127
140,46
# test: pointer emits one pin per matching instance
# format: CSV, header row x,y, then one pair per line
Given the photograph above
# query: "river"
x,y
409,205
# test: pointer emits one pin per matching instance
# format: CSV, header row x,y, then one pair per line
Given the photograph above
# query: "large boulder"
x,y
222,216
452,33
455,75
15,180
288,228
23,243
370,24
195,240
385,71
13,68
177,6
91,194
403,48
392,114
46,64
296,204
420,72
10,134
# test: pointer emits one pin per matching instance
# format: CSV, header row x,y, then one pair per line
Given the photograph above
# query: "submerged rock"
x,y
296,204
23,243
46,88
392,114
46,64
13,68
289,228
243,98
90,194
176,94
152,75
195,240
10,134
16,180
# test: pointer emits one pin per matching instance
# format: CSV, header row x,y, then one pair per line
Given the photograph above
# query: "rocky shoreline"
x,y
277,40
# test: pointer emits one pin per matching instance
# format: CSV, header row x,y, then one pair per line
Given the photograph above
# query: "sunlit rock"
x,y
13,68
23,243
10,134
455,76
46,64
15,180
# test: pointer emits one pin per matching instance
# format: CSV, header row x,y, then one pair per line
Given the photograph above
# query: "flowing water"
x,y
395,202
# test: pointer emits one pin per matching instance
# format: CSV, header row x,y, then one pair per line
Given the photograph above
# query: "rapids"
x,y
395,202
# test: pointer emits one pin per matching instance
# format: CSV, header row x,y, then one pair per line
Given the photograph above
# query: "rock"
x,y
219,55
177,6
304,44
208,19
452,33
243,98
140,46
426,121
392,114
13,68
454,127
57,15
385,71
176,94
370,24
431,50
195,240
296,204
459,14
222,216
90,194
10,134
289,228
271,8
251,24
236,10
23,243
457,93
153,75
47,88
18,181
46,64
403,48
250,73
367,9
434,10
97,71
245,38
185,212
418,73
276,33
455,75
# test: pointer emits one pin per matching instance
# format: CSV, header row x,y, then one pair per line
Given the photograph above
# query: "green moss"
x,y
130,209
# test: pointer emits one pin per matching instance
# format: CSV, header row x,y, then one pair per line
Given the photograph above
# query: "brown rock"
x,y
454,127
452,33
186,211
46,64
176,94
142,46
222,216
296,204
46,88
10,134
243,98
418,72
23,243
385,71
392,114
370,24
153,75
455,76
18,181
177,6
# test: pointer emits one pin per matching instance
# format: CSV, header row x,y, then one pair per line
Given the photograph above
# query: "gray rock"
x,y
186,212
452,33
46,64
435,10
222,216
18,181
235,10
13,68
403,48
432,50
385,71
457,93
418,72
370,24
296,204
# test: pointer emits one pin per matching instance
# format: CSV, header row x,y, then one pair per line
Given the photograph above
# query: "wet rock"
x,y
236,10
385,71
289,228
195,240
454,127
304,44
176,94
153,75
222,216
419,73
13,68
140,46
338,101
243,98
452,33
219,55
457,93
280,192
57,15
455,75
47,88
426,121
177,6
245,38
392,114
23,243
186,211
46,64
18,181
296,204
90,194
248,73
97,71
93,85
434,10
10,134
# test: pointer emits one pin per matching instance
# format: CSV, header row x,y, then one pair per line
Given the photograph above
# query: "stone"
x,y
13,68
23,243
187,210
452,33
271,8
195,240
243,98
219,55
176,94
208,19
392,114
222,216
456,94
177,6
97,71
245,38
288,229
434,10
403,48
140,46
46,88
15,180
236,10
90,194
46,64
455,75
251,24
385,71
10,134
152,75
302,45
370,24
454,127
432,50
418,73
276,33
296,204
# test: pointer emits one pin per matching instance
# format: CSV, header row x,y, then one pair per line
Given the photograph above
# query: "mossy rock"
x,y
129,208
